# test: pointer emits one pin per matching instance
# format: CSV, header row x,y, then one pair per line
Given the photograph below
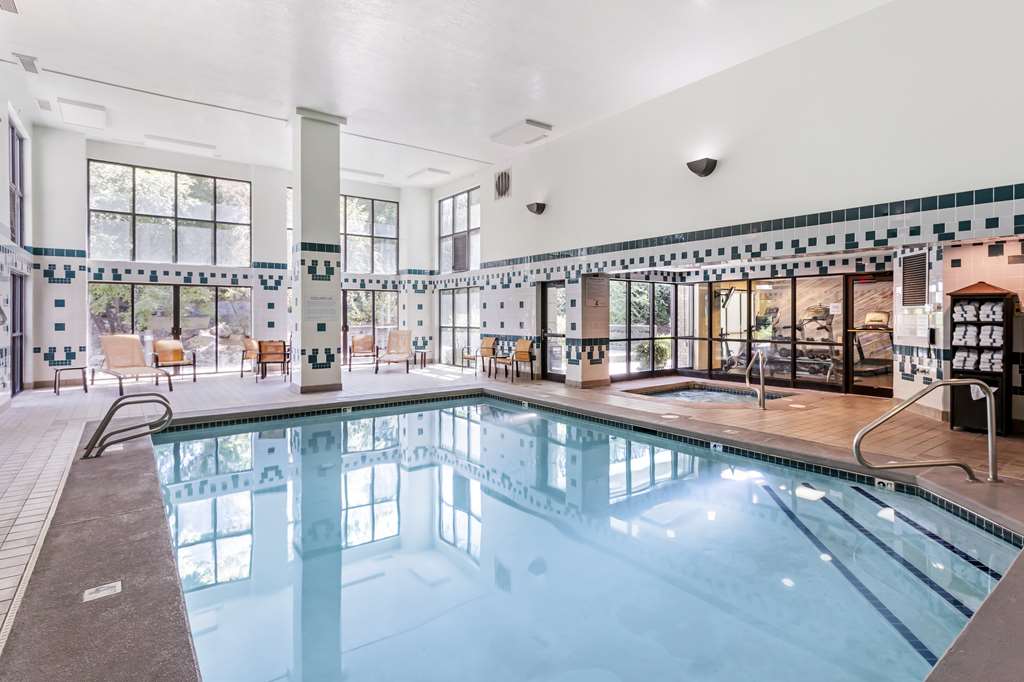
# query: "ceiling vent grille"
x,y
915,279
502,184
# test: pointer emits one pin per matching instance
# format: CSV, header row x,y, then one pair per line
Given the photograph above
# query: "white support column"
x,y
587,337
316,252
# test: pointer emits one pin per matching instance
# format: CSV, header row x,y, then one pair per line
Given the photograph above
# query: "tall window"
x,y
372,312
370,235
212,321
16,175
458,220
158,216
460,512
642,326
460,322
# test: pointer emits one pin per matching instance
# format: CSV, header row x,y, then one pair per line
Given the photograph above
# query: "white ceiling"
x,y
438,77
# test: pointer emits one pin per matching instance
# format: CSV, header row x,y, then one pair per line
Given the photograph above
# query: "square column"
x,y
316,252
586,339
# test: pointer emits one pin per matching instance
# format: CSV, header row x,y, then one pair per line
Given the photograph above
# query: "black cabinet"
x,y
981,324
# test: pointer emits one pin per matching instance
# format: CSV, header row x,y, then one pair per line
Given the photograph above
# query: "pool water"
x,y
483,541
706,394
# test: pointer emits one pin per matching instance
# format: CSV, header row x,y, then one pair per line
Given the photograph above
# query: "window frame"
x,y
176,315
454,328
133,215
650,339
16,181
469,231
343,207
708,339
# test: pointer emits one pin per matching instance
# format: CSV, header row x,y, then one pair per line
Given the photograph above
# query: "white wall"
x,y
417,245
916,97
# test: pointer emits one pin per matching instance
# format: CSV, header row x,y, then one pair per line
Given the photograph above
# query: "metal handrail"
x,y
759,356
990,405
101,439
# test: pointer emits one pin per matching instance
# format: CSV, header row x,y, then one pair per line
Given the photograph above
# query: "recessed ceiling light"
x,y
429,173
182,145
28,62
8,6
523,132
82,113
356,171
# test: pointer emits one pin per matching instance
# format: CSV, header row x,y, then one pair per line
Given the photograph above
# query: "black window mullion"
x,y
132,221
214,231
174,248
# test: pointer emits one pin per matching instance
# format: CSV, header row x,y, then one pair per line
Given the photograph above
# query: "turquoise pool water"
x,y
483,541
708,394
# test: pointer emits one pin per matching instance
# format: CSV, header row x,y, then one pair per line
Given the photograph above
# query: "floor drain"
x,y
108,590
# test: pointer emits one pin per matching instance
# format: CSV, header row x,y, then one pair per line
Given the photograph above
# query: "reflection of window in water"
x,y
192,460
369,504
372,433
213,540
635,467
557,436
460,502
459,429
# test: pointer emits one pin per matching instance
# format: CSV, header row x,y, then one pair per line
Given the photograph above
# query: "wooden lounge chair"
x,y
123,357
398,350
273,353
523,353
485,354
361,346
250,351
171,353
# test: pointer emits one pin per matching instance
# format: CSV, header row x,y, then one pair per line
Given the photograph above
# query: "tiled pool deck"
x,y
41,432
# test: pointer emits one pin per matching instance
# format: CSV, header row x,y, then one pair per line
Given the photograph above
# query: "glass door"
x,y
197,325
153,314
869,334
553,326
17,334
358,316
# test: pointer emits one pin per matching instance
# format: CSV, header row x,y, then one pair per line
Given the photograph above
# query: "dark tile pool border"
x,y
965,514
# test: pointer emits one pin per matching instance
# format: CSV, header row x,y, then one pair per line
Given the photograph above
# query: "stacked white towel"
x,y
965,335
991,336
965,311
991,361
991,311
965,358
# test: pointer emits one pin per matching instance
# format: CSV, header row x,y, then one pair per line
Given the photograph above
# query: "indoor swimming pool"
x,y
482,540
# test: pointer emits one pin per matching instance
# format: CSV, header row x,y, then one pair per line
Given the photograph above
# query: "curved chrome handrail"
x,y
990,404
759,356
101,439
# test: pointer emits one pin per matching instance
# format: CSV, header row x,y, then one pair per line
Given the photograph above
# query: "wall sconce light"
x,y
536,208
702,167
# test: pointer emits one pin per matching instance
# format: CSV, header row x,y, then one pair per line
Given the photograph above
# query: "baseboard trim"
x,y
323,388
593,383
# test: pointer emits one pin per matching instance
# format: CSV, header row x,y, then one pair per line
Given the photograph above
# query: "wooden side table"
x,y
57,373
420,358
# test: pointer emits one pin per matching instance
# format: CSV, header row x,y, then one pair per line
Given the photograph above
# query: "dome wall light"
x,y
702,167
536,208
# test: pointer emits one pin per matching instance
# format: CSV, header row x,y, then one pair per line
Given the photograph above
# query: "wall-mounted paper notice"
x,y
321,309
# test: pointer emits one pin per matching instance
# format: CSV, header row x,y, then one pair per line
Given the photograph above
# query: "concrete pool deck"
x,y
818,431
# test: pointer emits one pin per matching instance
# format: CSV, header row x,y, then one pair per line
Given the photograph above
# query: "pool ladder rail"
x,y
990,404
102,439
759,357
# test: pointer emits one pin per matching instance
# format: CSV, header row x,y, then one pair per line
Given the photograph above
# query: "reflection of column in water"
x,y
318,545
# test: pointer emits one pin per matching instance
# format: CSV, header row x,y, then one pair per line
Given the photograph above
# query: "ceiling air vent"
x,y
915,279
502,184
